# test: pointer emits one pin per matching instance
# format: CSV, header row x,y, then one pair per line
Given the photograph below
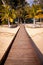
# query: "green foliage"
x,y
4,22
7,13
21,10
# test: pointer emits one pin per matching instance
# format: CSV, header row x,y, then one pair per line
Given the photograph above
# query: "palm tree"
x,y
34,8
7,14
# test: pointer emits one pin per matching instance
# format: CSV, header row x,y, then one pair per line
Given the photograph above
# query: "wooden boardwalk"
x,y
22,51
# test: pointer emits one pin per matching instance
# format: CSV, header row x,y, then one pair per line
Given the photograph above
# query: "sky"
x,y
30,1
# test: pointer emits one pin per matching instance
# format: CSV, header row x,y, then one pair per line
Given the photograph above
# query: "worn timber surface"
x,y
22,51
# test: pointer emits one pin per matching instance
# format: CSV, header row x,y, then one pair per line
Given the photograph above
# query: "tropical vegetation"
x,y
12,9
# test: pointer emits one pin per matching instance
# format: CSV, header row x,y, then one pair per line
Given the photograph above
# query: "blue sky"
x,y
30,1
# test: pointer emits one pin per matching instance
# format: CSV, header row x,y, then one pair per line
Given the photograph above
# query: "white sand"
x,y
37,36
6,36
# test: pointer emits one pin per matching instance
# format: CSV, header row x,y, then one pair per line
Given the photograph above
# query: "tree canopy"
x,y
13,9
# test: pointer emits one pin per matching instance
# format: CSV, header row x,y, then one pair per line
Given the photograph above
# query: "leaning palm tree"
x,y
34,10
7,14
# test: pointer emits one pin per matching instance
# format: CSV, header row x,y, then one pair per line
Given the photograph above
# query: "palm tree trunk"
x,y
3,2
40,19
34,22
9,24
